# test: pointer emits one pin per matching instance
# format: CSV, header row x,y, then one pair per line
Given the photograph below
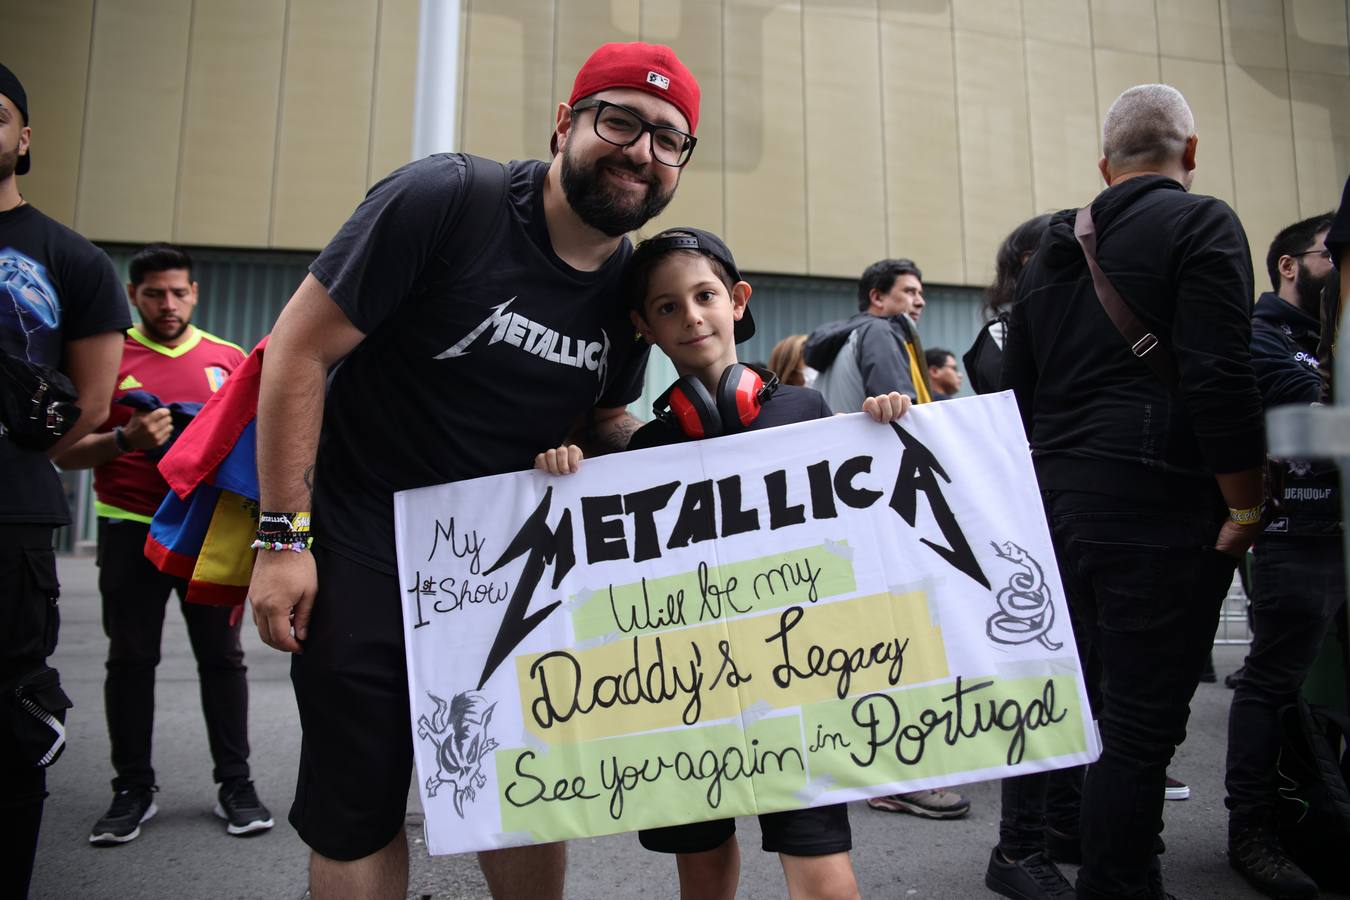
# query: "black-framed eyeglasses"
x,y
620,126
1324,252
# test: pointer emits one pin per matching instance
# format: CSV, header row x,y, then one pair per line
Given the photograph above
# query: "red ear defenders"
x,y
741,392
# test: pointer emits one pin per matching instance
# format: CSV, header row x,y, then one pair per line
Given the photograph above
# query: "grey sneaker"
x,y
122,821
937,803
239,806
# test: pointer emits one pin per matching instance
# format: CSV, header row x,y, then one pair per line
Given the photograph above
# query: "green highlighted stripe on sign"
x,y
650,780
963,726
712,593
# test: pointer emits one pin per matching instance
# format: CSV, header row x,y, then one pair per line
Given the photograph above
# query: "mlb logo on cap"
x,y
659,80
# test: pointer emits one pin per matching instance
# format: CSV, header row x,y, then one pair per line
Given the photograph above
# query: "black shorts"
x,y
351,689
818,831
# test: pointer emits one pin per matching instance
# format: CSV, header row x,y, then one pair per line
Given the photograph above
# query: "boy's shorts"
x,y
818,831
351,689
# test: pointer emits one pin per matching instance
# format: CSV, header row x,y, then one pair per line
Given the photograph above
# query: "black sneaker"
x,y
239,806
1032,878
122,821
1175,790
1257,855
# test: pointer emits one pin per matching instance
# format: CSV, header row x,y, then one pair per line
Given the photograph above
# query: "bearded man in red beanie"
x,y
478,309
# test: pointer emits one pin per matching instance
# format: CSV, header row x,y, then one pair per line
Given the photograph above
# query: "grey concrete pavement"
x,y
185,853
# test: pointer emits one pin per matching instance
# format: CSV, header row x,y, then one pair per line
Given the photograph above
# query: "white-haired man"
x,y
1148,452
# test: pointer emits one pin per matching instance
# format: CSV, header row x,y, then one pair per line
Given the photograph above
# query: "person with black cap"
x,y
688,298
62,314
475,308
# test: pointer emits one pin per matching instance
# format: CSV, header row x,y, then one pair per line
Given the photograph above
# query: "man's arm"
x,y
312,333
91,365
609,430
145,430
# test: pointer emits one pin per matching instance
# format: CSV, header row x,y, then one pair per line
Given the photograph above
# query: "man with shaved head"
x,y
1138,397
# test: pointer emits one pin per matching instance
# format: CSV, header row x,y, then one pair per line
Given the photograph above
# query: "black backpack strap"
x,y
1145,345
485,184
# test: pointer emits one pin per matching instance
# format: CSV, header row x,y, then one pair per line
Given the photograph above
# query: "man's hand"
x,y
562,460
1235,539
148,429
282,593
886,407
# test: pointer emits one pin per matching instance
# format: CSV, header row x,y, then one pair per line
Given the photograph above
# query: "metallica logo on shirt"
x,y
539,340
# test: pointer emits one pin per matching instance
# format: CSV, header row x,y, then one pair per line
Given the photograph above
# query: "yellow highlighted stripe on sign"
x,y
785,658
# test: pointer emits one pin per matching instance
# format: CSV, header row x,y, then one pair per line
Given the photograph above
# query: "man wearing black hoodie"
x,y
1153,489
1298,577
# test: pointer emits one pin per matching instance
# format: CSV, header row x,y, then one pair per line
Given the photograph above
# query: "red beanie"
x,y
652,68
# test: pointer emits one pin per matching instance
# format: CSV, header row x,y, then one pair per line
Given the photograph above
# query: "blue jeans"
x,y
1144,585
1298,588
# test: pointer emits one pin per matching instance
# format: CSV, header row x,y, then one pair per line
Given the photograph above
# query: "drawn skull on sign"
x,y
458,730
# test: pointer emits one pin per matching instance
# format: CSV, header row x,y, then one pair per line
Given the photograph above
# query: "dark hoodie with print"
x,y
1284,357
1098,418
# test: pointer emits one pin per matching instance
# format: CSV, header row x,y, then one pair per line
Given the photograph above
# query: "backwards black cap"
x,y
699,241
13,89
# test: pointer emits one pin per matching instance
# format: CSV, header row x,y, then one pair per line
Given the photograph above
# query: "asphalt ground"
x,y
185,853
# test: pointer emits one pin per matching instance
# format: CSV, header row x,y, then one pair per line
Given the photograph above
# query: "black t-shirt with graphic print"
x,y
55,287
470,367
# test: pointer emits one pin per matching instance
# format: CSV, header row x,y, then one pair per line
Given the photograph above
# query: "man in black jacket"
x,y
1298,578
1153,491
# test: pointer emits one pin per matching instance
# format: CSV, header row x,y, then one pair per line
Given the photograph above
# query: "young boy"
x,y
688,298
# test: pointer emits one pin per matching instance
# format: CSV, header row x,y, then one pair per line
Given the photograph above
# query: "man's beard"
x,y
9,160
158,335
1309,290
607,211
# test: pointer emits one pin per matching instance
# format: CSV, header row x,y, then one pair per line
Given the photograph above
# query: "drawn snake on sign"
x,y
1025,611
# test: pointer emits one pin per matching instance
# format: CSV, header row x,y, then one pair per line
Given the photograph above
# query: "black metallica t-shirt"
x,y
55,287
470,366
788,404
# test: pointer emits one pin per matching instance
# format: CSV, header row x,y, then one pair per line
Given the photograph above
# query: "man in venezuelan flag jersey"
x,y
166,362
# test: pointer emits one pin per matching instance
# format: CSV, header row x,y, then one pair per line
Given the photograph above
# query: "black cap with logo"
x,y
11,88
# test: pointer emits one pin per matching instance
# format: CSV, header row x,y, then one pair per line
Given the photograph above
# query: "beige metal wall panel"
x,y
1124,25
1321,105
1202,83
1190,29
1263,153
923,202
52,61
508,94
133,120
229,123
923,15
1315,37
1061,21
324,140
391,121
765,150
583,25
1064,126
1118,71
1001,17
996,191
1253,32
846,195
693,29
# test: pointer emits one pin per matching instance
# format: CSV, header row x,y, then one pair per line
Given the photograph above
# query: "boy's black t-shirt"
x,y
471,366
788,404
55,287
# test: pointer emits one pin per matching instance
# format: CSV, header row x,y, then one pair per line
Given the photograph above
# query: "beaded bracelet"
x,y
297,543
283,531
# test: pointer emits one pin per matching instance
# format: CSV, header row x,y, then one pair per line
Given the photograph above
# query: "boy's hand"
x,y
886,407
562,460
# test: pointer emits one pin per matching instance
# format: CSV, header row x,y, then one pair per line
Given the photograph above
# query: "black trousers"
x,y
135,596
29,622
1298,588
1144,585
